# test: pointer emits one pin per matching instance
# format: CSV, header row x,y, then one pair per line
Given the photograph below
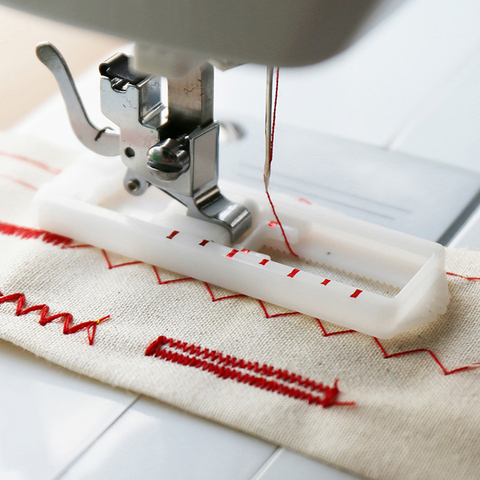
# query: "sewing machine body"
x,y
187,33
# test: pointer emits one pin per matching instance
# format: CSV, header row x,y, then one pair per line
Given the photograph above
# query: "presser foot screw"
x,y
133,185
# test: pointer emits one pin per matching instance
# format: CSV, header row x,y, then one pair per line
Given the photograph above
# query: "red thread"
x,y
164,282
204,242
461,276
26,233
356,293
31,161
406,352
293,272
175,232
326,282
218,299
230,367
118,265
275,315
272,139
329,334
67,318
264,261
435,358
232,253
20,182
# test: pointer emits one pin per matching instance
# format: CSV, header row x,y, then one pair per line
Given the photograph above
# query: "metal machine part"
x,y
179,155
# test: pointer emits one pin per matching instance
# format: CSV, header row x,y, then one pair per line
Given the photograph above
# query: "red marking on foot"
x,y
245,250
326,282
272,224
175,232
356,293
204,242
293,272
264,261
232,253
304,200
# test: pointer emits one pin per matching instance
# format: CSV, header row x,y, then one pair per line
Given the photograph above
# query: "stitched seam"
x,y
229,367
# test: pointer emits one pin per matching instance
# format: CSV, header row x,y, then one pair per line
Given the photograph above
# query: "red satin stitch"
x,y
26,233
229,367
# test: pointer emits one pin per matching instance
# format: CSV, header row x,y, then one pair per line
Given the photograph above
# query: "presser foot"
x,y
174,147
349,272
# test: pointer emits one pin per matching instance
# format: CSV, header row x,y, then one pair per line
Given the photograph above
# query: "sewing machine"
x,y
448,218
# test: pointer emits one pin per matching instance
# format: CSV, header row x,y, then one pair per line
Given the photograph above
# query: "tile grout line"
x,y
268,462
82,452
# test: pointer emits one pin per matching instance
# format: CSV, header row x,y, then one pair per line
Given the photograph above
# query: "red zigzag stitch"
x,y
227,367
64,242
90,327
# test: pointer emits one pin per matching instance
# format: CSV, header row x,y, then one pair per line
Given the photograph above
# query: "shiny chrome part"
x,y
101,141
190,98
179,155
268,125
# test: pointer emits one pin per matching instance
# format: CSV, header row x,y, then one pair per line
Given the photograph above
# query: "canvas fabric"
x,y
416,415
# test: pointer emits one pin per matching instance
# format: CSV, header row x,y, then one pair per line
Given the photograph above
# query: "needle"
x,y
268,125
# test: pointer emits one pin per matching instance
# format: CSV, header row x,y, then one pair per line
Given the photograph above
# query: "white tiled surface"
x,y
413,85
49,415
152,441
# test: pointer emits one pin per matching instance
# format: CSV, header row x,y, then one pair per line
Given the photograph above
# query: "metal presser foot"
x,y
179,155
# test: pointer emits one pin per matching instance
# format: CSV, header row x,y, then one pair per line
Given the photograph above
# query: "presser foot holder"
x,y
87,202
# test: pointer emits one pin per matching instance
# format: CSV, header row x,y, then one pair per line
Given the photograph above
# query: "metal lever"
x,y
100,141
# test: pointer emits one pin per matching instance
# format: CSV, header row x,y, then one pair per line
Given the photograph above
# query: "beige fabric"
x,y
410,420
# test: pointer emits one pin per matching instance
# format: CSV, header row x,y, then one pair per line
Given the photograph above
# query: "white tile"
x,y
152,441
288,465
48,415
